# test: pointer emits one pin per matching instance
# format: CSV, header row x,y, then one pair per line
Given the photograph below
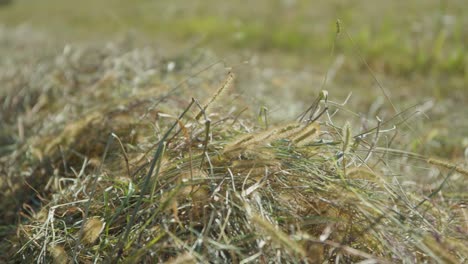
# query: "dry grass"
x,y
117,162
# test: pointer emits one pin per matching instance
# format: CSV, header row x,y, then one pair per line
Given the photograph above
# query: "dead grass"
x,y
117,161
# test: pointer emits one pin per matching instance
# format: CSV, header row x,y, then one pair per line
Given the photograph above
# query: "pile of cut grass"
x,y
112,154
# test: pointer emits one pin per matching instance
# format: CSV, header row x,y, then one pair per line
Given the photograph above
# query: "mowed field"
x,y
194,131
417,50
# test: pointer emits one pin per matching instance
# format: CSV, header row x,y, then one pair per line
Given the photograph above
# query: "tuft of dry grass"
x,y
120,166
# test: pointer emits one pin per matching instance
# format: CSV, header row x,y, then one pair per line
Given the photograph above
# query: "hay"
x,y
110,170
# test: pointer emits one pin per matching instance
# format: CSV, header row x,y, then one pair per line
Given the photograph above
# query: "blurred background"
x,y
418,50
401,37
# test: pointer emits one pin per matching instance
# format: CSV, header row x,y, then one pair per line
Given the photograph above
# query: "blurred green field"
x,y
399,37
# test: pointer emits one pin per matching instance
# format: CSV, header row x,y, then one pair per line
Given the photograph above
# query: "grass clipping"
x,y
206,187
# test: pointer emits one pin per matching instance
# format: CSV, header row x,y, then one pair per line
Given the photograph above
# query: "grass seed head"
x,y
92,230
59,255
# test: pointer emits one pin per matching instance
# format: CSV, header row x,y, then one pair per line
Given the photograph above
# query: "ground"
x,y
384,152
